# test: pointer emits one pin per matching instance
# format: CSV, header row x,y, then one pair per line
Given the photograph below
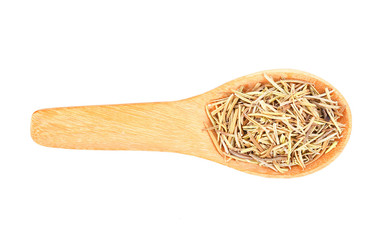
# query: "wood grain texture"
x,y
166,126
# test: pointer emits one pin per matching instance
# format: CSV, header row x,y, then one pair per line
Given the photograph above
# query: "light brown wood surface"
x,y
166,126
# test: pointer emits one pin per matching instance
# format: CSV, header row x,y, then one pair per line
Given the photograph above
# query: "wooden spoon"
x,y
167,126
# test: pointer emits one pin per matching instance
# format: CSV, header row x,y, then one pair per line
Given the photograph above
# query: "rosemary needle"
x,y
278,125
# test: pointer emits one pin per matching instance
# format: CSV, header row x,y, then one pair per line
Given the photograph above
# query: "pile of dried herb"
x,y
277,125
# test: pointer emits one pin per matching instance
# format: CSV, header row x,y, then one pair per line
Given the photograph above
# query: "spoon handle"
x,y
162,126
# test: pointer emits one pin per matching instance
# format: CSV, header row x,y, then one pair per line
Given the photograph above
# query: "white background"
x,y
64,53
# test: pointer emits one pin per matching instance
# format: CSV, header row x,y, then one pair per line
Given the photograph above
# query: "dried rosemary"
x,y
277,125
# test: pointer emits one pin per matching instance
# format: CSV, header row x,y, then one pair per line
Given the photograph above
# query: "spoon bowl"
x,y
169,126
